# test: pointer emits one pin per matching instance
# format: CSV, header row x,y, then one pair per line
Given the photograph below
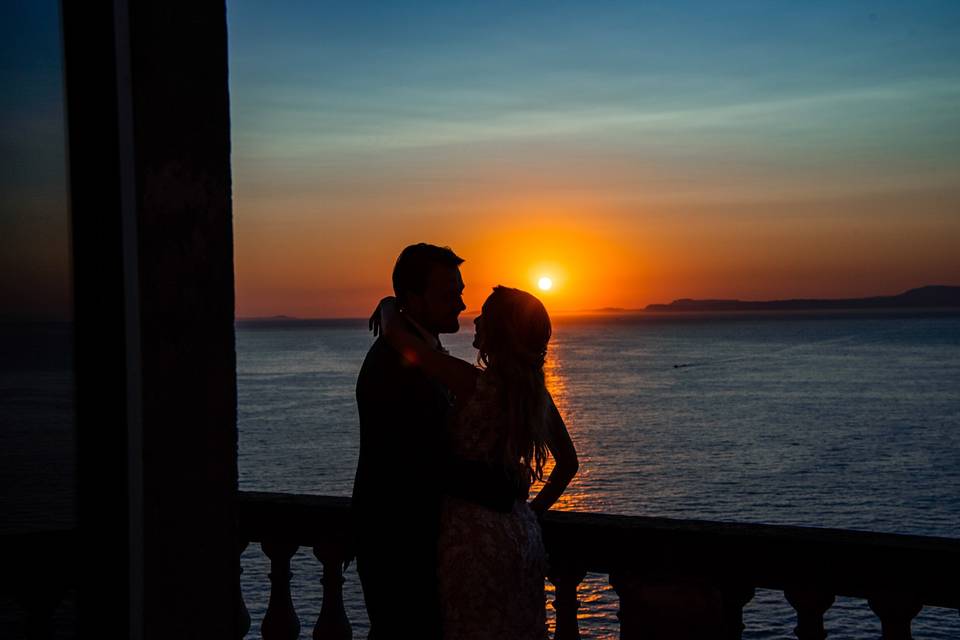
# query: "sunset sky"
x,y
633,152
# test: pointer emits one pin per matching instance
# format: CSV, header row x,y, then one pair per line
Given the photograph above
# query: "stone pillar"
x,y
734,598
896,615
332,623
280,622
566,604
810,606
149,155
181,143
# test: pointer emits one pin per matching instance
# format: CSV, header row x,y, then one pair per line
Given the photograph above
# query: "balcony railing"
x,y
37,569
675,578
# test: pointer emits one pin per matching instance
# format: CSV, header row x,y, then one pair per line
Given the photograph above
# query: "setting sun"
x,y
545,283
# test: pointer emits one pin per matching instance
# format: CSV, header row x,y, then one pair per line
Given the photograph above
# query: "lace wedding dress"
x,y
491,564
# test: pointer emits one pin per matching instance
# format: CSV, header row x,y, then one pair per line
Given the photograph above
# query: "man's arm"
x,y
455,374
488,485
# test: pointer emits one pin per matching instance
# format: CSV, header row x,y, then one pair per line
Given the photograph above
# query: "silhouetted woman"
x,y
492,563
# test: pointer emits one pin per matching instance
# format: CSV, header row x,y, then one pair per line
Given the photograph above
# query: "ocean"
x,y
839,420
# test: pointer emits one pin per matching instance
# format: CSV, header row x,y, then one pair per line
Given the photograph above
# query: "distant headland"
x,y
279,318
935,296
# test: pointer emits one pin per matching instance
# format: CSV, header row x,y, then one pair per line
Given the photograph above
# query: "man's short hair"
x,y
413,267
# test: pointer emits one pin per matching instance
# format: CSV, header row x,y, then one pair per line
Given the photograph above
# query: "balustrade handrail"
x,y
853,563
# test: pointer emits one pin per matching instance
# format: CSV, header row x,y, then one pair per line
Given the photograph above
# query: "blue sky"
x,y
34,230
483,70
866,89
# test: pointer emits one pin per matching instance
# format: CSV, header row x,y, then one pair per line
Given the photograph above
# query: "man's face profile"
x,y
441,302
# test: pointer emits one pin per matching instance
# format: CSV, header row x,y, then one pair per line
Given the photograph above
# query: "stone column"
x,y
566,604
896,615
149,165
810,606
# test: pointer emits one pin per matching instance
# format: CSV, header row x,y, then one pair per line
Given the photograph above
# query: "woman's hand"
x,y
384,315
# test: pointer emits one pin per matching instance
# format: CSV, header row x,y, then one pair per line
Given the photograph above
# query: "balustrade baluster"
x,y
243,615
565,602
281,621
332,624
631,615
810,606
896,614
734,598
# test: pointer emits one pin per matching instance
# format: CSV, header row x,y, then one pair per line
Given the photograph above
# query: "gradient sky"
x,y
635,152
34,229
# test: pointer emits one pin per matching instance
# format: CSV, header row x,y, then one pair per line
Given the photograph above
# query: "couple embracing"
x,y
448,545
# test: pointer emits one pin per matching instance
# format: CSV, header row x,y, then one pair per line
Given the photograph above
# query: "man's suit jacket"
x,y
402,453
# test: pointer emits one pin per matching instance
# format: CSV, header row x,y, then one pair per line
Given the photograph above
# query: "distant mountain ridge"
x,y
922,297
278,318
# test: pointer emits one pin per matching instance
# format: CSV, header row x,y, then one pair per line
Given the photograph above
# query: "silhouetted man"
x,y
404,468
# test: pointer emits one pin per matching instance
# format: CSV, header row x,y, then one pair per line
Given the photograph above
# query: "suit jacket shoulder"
x,y
402,418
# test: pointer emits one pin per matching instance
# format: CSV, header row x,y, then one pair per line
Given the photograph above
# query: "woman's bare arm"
x,y
565,462
457,375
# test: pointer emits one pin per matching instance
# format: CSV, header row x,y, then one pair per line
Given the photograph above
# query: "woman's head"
x,y
513,331
513,325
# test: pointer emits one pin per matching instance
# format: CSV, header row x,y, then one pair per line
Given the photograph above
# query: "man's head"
x,y
428,286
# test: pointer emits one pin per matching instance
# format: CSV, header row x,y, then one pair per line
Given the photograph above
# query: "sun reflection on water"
x,y
575,498
598,608
598,602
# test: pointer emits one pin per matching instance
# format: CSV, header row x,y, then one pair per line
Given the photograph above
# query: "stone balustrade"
x,y
675,578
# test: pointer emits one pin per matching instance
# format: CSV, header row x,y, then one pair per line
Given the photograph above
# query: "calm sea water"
x,y
849,421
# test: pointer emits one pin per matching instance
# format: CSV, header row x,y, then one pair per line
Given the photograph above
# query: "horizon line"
x,y
610,310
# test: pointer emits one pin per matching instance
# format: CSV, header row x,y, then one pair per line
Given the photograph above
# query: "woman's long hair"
x,y
515,333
